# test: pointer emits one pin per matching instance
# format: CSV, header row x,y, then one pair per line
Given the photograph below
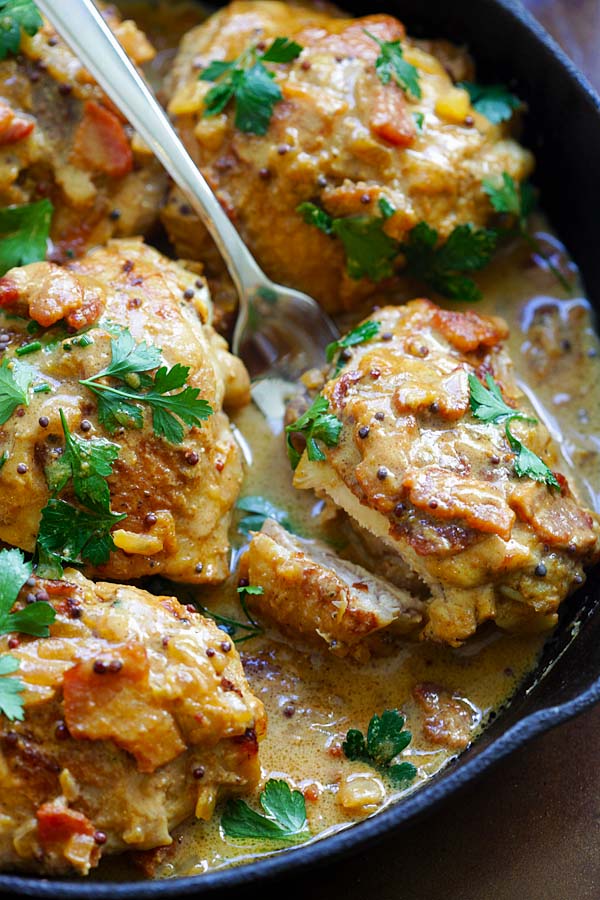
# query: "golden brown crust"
x,y
487,543
137,715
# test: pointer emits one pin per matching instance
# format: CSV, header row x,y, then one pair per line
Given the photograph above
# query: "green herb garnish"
x,y
369,249
494,101
518,201
76,535
260,509
24,230
316,424
11,689
17,16
359,335
284,819
468,249
386,738
34,618
122,406
88,463
15,381
390,64
487,405
250,84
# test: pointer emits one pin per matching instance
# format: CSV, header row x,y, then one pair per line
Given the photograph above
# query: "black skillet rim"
x,y
416,805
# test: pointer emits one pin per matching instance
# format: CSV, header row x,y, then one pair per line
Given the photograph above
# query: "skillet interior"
x,y
564,131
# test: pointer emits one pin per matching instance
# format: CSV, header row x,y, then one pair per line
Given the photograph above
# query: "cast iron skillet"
x,y
564,131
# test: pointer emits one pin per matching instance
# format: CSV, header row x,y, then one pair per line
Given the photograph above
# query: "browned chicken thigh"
x,y
61,138
339,138
441,488
177,495
137,716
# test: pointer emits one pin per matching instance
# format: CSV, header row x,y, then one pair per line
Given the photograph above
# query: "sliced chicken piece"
x,y
438,487
310,591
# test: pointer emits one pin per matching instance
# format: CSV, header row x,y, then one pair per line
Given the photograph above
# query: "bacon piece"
x,y
390,119
111,699
101,143
13,127
467,331
557,520
9,293
69,834
353,40
449,720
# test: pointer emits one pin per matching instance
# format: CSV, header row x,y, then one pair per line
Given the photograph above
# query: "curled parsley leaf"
x,y
468,249
33,619
494,101
488,405
391,65
284,819
248,82
17,16
88,463
260,509
11,689
386,738
121,406
316,424
24,229
364,332
15,381
75,535
369,250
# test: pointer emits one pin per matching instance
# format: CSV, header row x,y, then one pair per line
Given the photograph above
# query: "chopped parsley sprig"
x,y
488,405
467,249
370,251
284,816
248,82
122,405
386,739
494,101
316,424
24,229
11,689
364,332
391,65
17,16
15,381
259,510
73,535
517,201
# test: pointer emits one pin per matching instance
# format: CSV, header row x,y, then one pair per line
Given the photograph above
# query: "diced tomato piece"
x,y
57,824
101,143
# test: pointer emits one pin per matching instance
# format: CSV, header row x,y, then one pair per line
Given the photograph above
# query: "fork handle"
x,y
90,38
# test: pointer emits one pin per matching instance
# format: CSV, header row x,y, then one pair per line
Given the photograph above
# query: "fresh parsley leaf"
x,y
466,250
386,738
11,701
15,381
316,424
248,82
369,249
359,335
88,463
32,619
528,464
239,631
494,101
120,406
284,819
17,16
24,230
487,404
518,200
419,118
76,535
259,509
390,64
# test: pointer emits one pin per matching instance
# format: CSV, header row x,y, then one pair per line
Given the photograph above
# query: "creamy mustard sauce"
x,y
311,697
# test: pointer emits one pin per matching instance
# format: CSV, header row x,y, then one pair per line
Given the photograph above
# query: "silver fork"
x,y
279,331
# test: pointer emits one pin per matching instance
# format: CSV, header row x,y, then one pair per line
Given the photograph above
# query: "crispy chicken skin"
x,y
137,716
340,138
61,138
308,590
438,487
177,497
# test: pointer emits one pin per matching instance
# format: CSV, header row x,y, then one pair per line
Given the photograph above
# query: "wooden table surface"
x,y
530,830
